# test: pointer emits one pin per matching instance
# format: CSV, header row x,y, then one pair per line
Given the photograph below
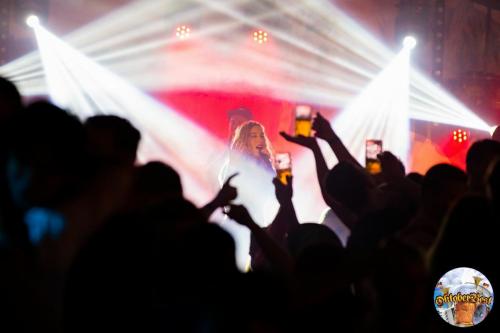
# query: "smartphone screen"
x,y
283,166
373,148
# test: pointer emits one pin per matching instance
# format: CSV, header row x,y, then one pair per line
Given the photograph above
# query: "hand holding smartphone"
x,y
373,148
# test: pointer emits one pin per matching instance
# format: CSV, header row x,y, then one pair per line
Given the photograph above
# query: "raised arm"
x,y
226,194
286,218
274,253
325,131
321,167
322,170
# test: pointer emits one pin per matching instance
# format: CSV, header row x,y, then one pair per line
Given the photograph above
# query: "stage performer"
x,y
250,145
251,158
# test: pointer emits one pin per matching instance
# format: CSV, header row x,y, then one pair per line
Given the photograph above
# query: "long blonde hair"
x,y
242,138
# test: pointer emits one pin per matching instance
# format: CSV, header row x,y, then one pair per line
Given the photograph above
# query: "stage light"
x,y
355,59
340,47
81,85
409,42
492,130
351,43
32,21
84,87
329,51
260,36
182,32
380,111
460,136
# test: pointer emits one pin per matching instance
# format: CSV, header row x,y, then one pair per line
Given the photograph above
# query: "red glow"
x,y
454,145
209,110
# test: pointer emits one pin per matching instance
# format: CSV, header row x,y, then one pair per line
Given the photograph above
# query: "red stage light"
x,y
260,36
460,135
182,32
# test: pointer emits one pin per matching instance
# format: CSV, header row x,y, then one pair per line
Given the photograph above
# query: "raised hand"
x,y
392,167
239,214
323,128
227,193
283,192
304,141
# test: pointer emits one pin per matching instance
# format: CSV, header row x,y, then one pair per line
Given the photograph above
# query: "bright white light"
x,y
84,87
305,56
409,42
380,112
492,130
328,64
328,61
77,83
32,21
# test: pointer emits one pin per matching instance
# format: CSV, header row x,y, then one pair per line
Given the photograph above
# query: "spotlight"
x,y
409,42
494,130
380,111
182,32
260,36
32,21
460,136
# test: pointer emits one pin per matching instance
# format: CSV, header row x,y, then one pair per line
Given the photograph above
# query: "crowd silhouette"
x,y
91,241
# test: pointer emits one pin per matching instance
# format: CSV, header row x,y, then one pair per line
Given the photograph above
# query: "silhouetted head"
x,y
111,139
493,184
316,250
185,244
210,249
10,100
415,177
442,185
155,182
46,153
157,177
479,157
311,234
350,185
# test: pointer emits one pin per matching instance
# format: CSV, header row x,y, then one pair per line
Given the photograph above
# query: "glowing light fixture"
x,y
348,57
409,42
260,36
460,136
358,56
32,21
380,111
492,129
364,57
83,86
182,32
